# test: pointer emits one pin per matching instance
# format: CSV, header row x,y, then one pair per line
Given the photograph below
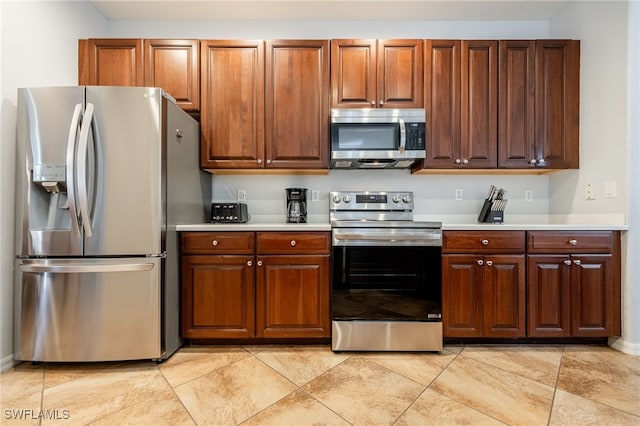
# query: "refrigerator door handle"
x,y
81,161
70,268
71,171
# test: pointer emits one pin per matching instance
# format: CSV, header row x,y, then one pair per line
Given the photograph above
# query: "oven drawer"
x,y
483,241
217,243
569,242
293,242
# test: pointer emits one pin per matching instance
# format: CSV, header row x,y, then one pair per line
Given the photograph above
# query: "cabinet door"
x,y
174,66
592,295
353,74
479,104
232,104
557,103
516,104
442,102
549,303
400,74
292,296
504,296
218,297
115,62
297,112
462,295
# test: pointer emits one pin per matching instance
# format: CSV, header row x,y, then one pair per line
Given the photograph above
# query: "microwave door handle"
x,y
403,135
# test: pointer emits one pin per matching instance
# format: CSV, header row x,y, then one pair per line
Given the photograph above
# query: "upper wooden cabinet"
x,y
172,65
462,102
377,73
265,104
539,104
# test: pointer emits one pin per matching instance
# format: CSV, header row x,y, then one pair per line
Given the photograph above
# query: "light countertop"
x,y
449,222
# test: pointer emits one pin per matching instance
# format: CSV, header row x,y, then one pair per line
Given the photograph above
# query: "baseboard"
x,y
619,344
7,362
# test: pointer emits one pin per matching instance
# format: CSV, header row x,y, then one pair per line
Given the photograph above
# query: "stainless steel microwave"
x,y
377,138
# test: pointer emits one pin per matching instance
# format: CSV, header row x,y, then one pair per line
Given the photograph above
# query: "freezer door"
x,y
49,121
87,310
126,201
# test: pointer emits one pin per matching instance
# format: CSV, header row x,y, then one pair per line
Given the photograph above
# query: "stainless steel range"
x,y
386,275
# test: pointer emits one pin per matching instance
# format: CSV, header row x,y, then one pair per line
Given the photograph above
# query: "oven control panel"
x,y
368,200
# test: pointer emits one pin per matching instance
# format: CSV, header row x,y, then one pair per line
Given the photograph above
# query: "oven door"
x,y
387,283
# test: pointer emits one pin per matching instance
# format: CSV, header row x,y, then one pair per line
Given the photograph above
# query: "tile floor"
x,y
301,385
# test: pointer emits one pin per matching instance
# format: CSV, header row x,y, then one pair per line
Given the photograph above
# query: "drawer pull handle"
x,y
567,262
293,243
573,242
259,262
489,262
577,262
480,262
215,242
485,242
249,263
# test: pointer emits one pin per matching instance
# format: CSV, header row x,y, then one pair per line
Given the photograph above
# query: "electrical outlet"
x,y
459,194
589,192
315,195
242,195
528,195
610,189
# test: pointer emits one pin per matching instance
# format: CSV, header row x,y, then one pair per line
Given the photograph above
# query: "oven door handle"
x,y
377,240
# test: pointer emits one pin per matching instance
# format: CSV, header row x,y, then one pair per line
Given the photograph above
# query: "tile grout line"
x,y
173,390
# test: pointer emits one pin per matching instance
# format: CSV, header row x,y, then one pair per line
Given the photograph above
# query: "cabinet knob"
x,y
458,161
268,161
573,242
577,262
259,160
259,262
215,242
249,263
179,134
381,103
293,243
485,242
489,262
373,103
465,161
533,161
567,262
480,262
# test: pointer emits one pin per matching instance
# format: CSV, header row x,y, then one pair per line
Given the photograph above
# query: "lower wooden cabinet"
x,y
563,284
263,285
483,294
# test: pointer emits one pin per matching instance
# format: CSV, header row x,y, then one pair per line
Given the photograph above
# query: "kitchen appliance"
x,y
229,212
377,138
104,175
386,283
296,205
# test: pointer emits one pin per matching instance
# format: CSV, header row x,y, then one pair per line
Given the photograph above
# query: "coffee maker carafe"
x,y
296,205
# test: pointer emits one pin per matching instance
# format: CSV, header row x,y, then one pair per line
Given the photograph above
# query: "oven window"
x,y
386,283
365,136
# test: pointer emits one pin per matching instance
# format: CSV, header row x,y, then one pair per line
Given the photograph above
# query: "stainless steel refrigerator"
x,y
104,174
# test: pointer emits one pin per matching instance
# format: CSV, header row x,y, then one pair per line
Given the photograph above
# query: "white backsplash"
x,y
433,194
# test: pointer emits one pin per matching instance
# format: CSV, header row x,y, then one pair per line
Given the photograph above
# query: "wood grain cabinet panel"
x,y
174,65
369,73
115,62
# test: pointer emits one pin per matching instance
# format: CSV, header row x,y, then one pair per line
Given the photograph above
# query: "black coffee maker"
x,y
296,205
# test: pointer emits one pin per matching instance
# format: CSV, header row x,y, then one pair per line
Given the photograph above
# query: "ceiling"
x,y
429,10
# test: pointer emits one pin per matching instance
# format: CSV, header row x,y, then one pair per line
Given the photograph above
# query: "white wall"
x,y
39,48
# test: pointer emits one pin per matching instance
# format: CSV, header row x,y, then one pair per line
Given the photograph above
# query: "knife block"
x,y
490,216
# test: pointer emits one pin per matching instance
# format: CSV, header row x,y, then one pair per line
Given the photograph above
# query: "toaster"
x,y
227,212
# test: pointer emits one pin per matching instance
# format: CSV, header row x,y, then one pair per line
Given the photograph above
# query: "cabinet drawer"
x,y
569,241
218,242
483,241
293,242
